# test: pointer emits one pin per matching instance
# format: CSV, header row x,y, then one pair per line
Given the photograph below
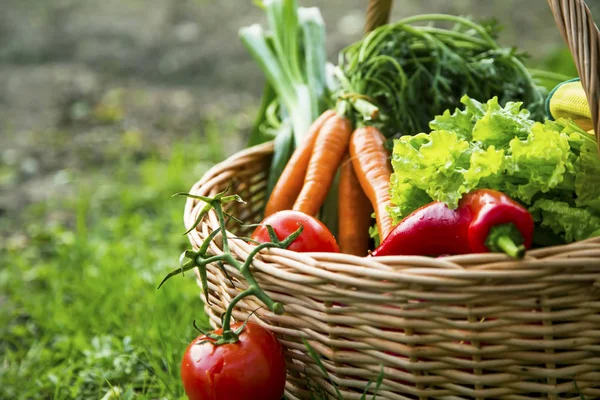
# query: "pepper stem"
x,y
506,238
509,247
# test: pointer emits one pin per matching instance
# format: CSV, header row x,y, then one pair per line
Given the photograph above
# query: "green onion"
x,y
292,56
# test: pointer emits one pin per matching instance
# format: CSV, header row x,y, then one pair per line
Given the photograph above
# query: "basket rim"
x,y
465,262
378,13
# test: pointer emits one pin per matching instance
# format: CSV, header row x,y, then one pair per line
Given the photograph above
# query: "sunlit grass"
x,y
79,309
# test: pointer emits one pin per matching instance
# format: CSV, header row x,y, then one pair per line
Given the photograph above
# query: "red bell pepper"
x,y
485,220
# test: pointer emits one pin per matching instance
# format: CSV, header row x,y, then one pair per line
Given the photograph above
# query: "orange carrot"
x,y
354,212
290,182
370,161
330,147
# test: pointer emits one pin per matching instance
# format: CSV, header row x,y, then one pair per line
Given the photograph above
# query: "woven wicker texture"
x,y
465,327
378,13
475,326
575,23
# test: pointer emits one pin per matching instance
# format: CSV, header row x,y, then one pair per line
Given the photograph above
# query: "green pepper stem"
x,y
509,247
506,238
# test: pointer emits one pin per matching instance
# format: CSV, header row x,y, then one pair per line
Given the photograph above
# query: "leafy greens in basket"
x,y
411,72
397,78
552,167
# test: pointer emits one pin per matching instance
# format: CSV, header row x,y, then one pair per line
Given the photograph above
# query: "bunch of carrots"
x,y
332,143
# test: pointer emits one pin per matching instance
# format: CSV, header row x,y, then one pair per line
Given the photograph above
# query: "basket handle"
x,y
378,13
575,23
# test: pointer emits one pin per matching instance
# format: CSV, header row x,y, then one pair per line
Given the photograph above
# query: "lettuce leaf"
x,y
461,123
552,167
498,125
572,223
486,168
587,178
405,199
540,161
432,163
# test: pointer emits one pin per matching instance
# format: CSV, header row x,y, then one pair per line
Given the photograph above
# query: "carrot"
x,y
354,212
330,147
370,161
290,182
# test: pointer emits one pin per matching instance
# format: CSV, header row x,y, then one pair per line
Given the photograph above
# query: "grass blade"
x,y
313,354
379,382
578,391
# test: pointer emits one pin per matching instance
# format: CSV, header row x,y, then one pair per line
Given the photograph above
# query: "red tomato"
x,y
314,238
251,369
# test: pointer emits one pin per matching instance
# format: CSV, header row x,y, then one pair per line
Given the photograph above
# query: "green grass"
x,y
79,309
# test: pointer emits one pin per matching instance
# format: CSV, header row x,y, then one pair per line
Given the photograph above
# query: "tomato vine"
x,y
201,259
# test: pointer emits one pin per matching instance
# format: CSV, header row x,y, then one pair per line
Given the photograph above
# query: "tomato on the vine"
x,y
315,236
253,368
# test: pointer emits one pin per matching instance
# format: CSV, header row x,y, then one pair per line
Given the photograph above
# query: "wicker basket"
x,y
477,326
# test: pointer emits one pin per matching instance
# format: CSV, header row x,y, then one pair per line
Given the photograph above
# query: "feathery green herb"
x,y
412,73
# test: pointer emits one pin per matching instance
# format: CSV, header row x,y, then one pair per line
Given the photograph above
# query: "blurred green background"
x,y
106,109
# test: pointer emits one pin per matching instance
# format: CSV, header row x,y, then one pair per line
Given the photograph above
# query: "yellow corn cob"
x,y
568,100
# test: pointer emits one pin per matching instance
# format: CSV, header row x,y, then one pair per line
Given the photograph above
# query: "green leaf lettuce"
x,y
552,168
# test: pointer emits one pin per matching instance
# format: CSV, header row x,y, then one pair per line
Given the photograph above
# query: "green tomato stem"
x,y
219,210
229,311
253,287
200,260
